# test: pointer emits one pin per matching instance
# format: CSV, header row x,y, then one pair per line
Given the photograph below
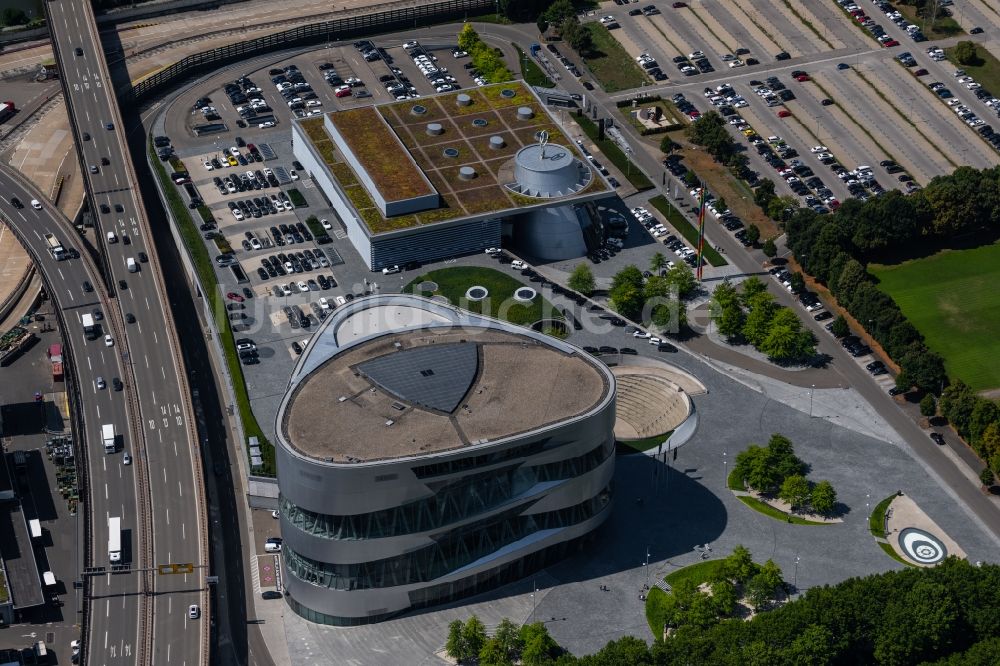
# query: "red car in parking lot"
x,y
233,296
890,43
784,113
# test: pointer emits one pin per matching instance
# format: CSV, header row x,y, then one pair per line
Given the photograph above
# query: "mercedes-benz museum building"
x,y
426,453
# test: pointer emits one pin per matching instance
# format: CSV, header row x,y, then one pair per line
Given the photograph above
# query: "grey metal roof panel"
x,y
433,376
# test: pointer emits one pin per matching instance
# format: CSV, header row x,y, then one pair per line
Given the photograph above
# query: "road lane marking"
x,y
184,531
180,491
146,357
168,516
164,475
105,491
61,276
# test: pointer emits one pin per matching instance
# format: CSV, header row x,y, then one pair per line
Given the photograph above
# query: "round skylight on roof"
x,y
480,122
418,109
476,293
451,152
508,93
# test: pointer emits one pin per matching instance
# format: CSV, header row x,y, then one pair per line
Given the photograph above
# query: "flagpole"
x,y
701,232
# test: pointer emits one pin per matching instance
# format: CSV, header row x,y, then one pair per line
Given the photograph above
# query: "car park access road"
x,y
176,522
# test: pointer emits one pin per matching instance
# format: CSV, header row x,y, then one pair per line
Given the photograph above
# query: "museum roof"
x,y
399,144
427,390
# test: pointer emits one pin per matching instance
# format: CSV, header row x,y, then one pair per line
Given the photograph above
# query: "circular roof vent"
x,y
463,100
435,129
508,93
525,113
477,293
525,294
480,122
418,109
451,152
497,142
466,173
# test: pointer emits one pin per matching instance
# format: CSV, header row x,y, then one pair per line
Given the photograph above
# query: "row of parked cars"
x,y
293,262
967,115
248,99
693,63
568,64
258,207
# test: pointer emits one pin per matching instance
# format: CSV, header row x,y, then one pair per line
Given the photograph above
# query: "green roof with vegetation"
x,y
486,193
380,153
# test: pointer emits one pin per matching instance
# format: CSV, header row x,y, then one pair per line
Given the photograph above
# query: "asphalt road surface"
x,y
151,349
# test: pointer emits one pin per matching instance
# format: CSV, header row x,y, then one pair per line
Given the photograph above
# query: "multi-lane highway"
x,y
112,483
175,525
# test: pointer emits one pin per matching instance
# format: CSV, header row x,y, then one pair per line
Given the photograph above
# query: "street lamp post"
x,y
795,575
646,564
534,601
812,389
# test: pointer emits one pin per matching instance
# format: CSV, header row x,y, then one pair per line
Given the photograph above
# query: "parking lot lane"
x,y
907,147
764,33
718,38
744,33
678,43
935,120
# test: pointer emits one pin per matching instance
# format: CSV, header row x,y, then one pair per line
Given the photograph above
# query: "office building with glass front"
x,y
426,453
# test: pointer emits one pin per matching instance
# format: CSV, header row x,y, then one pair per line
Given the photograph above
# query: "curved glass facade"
x,y
452,551
458,500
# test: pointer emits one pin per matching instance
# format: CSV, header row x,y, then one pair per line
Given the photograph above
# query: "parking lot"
x,y
849,95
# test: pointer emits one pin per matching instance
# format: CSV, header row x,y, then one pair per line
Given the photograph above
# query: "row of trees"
x,y
658,298
529,645
948,615
776,470
828,247
486,59
751,315
977,420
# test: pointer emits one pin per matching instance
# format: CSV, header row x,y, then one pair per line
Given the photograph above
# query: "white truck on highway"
x,y
89,330
55,247
114,539
108,435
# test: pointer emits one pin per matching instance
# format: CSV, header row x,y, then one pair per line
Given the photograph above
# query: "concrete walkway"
x,y
904,513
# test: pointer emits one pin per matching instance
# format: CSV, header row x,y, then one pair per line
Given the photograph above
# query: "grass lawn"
x,y
531,72
656,599
952,298
876,520
686,229
206,274
614,153
610,63
454,282
644,444
768,510
943,27
987,73
735,481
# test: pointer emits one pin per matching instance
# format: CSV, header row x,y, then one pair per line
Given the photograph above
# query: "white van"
x,y
132,266
517,264
112,238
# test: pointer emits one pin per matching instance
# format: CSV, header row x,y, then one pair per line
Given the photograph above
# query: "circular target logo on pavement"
x,y
922,547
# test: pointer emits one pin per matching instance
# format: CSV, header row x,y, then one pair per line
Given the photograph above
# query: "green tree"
x,y
577,36
582,280
627,292
668,145
798,282
928,406
468,38
759,592
823,498
508,638
796,491
966,54
720,205
813,647
691,179
903,382
840,326
731,320
13,16
539,646
492,654
541,24
724,597
784,339
750,287
657,262
753,234
739,567
702,613
473,636
986,477
559,10
681,277
758,322
455,645
770,249
763,193
782,456
918,625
